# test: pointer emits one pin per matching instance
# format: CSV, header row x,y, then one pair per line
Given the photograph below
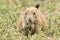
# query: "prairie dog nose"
x,y
29,20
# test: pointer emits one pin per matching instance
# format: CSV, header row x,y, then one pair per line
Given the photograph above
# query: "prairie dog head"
x,y
31,14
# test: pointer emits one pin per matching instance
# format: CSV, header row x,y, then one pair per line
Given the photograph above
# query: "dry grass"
x,y
10,11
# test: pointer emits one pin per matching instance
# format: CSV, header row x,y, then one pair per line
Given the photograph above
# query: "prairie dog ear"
x,y
37,6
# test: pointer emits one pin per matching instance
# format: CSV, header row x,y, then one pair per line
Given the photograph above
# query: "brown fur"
x,y
37,21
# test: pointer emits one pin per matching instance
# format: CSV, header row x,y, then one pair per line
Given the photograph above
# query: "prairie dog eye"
x,y
25,13
34,13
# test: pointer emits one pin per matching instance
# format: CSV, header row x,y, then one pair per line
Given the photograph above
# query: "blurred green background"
x,y
10,10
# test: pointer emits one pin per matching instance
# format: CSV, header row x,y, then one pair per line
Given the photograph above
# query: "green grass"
x,y
9,13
